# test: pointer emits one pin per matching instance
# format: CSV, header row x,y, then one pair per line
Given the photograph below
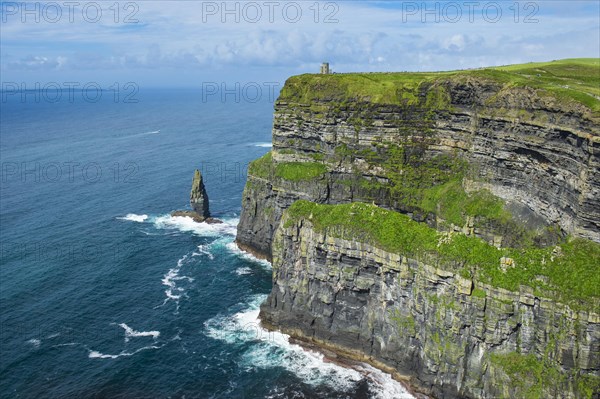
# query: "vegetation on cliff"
x,y
419,183
532,375
415,182
570,81
567,272
292,171
478,176
434,185
261,167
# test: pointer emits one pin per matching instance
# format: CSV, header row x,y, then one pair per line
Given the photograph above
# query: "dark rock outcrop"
x,y
199,203
189,214
198,196
197,218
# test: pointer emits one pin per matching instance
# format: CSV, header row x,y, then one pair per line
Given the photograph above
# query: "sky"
x,y
188,43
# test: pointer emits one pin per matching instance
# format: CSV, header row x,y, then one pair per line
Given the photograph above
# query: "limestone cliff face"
x,y
539,154
263,203
426,323
449,335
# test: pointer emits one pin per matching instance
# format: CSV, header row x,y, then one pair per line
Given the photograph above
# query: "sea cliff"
x,y
443,226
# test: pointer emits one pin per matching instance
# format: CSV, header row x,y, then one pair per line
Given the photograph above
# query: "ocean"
x,y
104,295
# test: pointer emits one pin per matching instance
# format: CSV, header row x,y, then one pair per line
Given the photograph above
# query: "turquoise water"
x,y
103,294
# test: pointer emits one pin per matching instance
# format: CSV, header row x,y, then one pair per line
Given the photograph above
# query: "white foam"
x,y
204,249
243,270
130,332
238,328
35,342
233,248
97,355
382,385
273,349
128,136
264,145
132,217
170,280
67,344
187,224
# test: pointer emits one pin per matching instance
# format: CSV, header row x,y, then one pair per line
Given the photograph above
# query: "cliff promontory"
x,y
442,226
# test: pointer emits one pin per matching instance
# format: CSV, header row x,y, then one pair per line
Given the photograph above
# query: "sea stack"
x,y
198,196
199,203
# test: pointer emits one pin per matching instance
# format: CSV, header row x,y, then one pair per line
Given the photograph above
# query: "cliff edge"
x,y
443,226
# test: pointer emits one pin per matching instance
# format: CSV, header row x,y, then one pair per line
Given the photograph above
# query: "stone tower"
x,y
325,68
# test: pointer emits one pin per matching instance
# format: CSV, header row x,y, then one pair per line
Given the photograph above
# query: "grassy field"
x,y
575,80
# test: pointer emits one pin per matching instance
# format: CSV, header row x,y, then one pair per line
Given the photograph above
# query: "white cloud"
x,y
171,35
455,43
37,62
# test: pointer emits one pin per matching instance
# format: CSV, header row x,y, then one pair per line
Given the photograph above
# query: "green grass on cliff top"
x,y
575,80
265,168
569,275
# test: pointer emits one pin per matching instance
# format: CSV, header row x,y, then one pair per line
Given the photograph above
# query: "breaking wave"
x,y
130,332
243,270
268,349
132,217
187,224
234,249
